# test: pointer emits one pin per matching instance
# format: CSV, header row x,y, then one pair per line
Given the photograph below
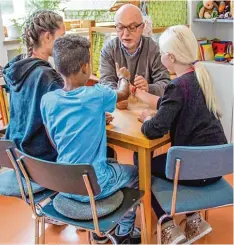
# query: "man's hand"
x,y
123,105
141,83
146,114
109,118
122,72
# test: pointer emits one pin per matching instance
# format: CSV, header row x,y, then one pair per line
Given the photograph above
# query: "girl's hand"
x,y
146,114
109,118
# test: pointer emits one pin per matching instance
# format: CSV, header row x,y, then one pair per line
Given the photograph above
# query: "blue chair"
x,y
99,216
12,182
191,163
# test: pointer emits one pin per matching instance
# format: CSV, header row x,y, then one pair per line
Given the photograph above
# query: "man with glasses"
x,y
137,53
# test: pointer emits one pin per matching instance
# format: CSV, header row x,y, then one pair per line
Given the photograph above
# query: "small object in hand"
x,y
133,92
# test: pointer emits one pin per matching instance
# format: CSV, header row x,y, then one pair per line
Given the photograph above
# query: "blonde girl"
x,y
189,111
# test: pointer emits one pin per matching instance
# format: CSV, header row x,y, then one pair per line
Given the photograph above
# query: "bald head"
x,y
129,26
128,13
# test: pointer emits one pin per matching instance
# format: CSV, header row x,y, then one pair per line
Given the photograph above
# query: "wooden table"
x,y
125,131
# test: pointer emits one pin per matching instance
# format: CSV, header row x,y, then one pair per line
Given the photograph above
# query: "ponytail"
x,y
206,84
181,42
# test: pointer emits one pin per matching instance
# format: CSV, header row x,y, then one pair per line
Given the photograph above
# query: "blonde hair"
x,y
181,42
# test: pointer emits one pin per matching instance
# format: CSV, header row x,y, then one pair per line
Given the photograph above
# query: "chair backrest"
x,y
59,177
200,162
4,158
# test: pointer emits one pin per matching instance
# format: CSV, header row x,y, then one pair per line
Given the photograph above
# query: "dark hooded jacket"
x,y
28,79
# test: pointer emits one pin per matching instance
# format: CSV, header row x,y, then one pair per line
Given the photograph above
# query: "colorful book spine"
x,y
6,104
3,107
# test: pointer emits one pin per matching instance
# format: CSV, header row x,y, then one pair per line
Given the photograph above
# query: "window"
x,y
7,6
12,9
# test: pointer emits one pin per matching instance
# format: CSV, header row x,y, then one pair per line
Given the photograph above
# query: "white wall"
x,y
222,76
1,41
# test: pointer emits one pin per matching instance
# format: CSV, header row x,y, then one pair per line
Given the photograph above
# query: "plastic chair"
x,y
76,179
191,163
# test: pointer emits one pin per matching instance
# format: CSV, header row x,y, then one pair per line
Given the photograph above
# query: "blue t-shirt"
x,y
76,123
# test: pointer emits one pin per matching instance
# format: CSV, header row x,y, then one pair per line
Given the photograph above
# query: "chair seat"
x,y
42,195
80,210
106,223
9,185
192,198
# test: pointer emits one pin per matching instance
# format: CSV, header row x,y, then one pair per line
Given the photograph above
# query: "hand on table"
x,y
141,83
123,105
109,118
145,114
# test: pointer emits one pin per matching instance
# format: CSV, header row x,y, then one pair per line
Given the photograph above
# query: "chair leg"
x,y
36,230
159,228
115,154
143,223
159,233
206,215
89,237
42,219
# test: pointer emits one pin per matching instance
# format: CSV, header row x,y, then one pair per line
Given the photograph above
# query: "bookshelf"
x,y
231,21
221,73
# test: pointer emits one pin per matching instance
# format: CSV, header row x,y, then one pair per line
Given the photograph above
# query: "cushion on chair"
x,y
9,185
82,211
192,198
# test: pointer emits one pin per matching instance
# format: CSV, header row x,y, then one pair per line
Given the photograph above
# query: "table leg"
x,y
145,185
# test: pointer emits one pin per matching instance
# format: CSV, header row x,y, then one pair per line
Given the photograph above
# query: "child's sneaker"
x,y
133,237
196,227
171,233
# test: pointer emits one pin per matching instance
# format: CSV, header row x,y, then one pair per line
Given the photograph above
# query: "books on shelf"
x,y
4,106
206,52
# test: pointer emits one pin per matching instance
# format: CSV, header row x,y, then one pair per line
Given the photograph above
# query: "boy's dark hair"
x,y
70,52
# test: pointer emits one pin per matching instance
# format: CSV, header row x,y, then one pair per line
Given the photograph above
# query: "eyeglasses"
x,y
131,28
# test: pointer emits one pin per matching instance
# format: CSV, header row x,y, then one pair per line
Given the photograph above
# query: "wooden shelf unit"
x,y
231,21
222,73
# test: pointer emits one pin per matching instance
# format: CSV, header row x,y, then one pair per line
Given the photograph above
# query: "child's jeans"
x,y
122,176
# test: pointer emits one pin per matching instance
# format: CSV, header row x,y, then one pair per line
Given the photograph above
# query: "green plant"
x,y
18,23
54,5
